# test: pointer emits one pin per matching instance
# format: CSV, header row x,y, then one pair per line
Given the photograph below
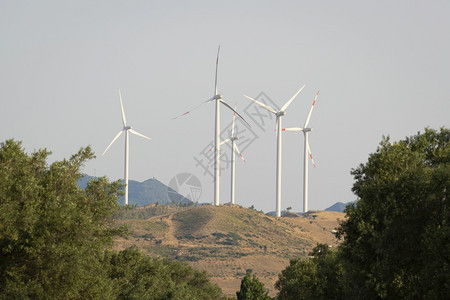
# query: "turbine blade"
x,y
310,111
296,129
114,139
262,105
311,157
239,152
226,104
216,88
220,144
224,142
209,100
124,120
139,134
292,99
234,118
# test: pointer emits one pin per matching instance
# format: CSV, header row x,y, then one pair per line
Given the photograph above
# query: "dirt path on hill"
x,y
169,237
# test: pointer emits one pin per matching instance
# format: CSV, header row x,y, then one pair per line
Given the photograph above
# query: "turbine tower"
x,y
234,148
307,152
127,129
218,98
278,114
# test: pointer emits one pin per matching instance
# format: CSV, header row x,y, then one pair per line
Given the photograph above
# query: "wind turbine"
x,y
127,129
307,151
234,148
218,98
278,114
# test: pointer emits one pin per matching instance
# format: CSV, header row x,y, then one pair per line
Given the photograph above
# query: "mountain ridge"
x,y
338,206
147,192
153,191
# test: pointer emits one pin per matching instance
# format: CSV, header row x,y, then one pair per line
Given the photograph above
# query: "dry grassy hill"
x,y
226,241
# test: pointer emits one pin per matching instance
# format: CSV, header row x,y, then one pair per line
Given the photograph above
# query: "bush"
x,y
252,289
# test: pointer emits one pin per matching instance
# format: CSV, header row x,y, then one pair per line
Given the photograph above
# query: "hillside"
x,y
226,241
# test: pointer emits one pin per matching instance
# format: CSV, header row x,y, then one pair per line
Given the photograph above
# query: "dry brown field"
x,y
229,240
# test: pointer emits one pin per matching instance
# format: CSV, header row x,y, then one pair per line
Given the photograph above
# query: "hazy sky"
x,y
382,68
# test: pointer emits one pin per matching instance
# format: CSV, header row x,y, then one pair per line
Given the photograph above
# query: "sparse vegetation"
x,y
210,237
227,239
143,213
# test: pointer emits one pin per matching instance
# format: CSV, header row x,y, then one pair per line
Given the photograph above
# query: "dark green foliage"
x,y
52,233
397,235
53,237
138,276
315,278
252,289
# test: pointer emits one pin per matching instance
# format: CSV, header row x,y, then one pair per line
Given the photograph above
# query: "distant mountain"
x,y
147,192
338,206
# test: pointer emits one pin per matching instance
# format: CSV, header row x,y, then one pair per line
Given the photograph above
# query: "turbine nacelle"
x,y
280,113
217,97
234,138
127,127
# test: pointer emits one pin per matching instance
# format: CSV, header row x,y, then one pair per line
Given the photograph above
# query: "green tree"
x,y
397,235
55,236
138,276
252,289
53,233
315,278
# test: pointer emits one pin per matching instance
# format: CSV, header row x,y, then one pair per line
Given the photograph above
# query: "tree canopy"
x,y
314,278
56,238
51,231
396,236
138,276
252,289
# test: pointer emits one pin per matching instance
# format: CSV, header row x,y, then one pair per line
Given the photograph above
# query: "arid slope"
x,y
226,241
